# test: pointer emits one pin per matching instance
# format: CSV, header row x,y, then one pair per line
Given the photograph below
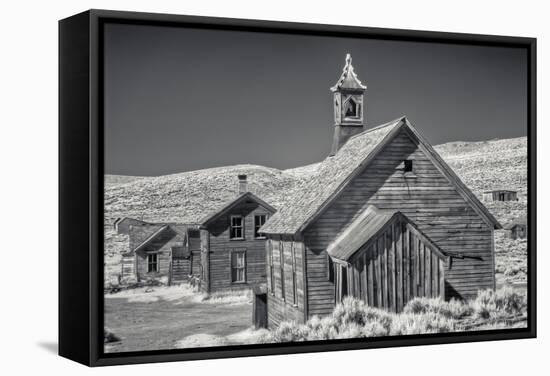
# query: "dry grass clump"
x,y
421,323
454,309
511,257
350,319
491,304
226,297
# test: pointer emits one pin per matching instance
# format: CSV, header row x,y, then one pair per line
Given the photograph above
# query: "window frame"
x,y
244,267
256,235
231,227
345,108
155,262
408,166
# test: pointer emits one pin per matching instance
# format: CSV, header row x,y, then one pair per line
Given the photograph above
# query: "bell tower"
x,y
349,106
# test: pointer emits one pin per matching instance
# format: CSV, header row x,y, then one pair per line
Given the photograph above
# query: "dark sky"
x,y
180,99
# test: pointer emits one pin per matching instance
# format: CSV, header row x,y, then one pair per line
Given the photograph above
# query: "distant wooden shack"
x,y
500,195
164,252
384,219
232,249
122,225
517,228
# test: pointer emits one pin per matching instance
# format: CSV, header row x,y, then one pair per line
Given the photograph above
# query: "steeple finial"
x,y
348,79
348,59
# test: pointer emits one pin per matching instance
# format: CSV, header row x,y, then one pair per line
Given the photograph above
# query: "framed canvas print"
x,y
238,187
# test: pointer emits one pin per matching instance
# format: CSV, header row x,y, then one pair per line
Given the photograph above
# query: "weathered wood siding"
x,y
500,196
128,274
162,245
393,268
428,199
186,260
320,282
285,289
221,246
181,268
204,274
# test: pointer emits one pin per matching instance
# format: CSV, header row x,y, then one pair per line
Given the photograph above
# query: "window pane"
x,y
259,221
240,262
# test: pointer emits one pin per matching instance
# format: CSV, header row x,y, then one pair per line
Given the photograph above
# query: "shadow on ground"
x,y
50,347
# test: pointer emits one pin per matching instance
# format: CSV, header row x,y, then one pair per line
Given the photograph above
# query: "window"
x,y
352,109
237,227
408,165
152,263
238,266
259,221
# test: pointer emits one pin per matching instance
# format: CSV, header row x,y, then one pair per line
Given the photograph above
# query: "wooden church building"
x,y
385,219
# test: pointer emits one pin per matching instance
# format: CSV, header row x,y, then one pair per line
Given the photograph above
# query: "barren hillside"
x,y
187,197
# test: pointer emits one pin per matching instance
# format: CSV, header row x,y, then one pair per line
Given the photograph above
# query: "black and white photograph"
x,y
272,188
310,188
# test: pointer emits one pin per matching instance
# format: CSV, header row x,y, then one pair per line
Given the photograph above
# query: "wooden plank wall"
x,y
396,267
286,306
162,245
320,286
128,268
181,269
221,245
429,200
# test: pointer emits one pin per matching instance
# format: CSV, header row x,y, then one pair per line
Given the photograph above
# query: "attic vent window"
x,y
408,165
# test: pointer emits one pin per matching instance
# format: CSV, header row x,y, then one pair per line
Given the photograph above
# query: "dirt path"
x,y
159,322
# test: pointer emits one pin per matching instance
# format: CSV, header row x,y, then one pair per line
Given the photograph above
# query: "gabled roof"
x,y
179,229
348,79
226,208
337,171
359,232
367,226
149,239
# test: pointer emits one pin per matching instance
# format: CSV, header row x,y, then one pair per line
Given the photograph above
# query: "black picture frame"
x,y
81,186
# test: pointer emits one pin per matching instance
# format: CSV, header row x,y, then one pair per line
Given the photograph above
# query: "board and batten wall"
x,y
285,280
427,198
394,267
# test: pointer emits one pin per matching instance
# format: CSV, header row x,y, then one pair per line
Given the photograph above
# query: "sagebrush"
x,y
354,319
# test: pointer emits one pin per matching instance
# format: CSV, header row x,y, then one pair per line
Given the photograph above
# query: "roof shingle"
x,y
332,173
